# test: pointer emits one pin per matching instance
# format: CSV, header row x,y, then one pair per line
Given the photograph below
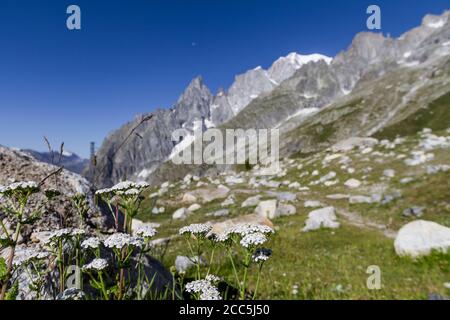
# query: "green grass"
x,y
435,116
320,262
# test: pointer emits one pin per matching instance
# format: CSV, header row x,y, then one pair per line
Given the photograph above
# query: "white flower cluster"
x,y
27,255
196,229
243,230
146,232
91,243
65,233
120,240
253,240
212,278
125,187
29,186
96,265
262,255
249,228
205,288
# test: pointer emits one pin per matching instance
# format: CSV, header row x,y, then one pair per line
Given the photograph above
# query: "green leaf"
x,y
13,292
3,269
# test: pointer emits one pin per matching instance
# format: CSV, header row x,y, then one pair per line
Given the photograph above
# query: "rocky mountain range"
x,y
70,161
314,100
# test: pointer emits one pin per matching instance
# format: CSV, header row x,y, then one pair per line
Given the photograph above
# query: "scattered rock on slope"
x,y
420,237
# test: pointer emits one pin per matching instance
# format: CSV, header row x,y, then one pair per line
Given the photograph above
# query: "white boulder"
x,y
420,237
267,209
321,218
352,183
180,214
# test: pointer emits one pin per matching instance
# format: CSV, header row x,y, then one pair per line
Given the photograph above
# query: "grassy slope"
x,y
328,264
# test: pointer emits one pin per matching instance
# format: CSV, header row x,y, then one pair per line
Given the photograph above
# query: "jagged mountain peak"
x,y
435,21
285,67
195,90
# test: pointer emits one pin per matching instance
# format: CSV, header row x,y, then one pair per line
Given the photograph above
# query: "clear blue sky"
x,y
133,56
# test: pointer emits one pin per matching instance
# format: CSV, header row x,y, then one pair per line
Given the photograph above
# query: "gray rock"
x,y
183,263
389,173
180,214
312,204
338,196
352,183
229,201
284,209
267,209
420,237
282,196
251,202
219,213
360,199
194,207
321,218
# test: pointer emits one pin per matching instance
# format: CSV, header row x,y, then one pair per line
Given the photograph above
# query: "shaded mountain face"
x,y
137,156
68,160
377,80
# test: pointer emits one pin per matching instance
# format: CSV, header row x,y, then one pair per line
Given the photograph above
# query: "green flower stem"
x,y
257,281
246,266
230,255
211,260
13,251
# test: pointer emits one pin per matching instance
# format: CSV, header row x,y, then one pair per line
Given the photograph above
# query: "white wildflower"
x,y
132,192
120,240
91,243
142,185
96,265
103,191
212,278
253,239
123,186
210,294
205,288
245,229
60,234
77,232
27,255
22,187
146,232
196,229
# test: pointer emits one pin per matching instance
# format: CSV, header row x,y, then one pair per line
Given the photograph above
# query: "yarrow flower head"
x,y
26,256
127,188
91,243
212,278
196,229
146,232
20,188
77,232
245,229
96,265
253,240
206,290
262,255
66,233
120,240
59,234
